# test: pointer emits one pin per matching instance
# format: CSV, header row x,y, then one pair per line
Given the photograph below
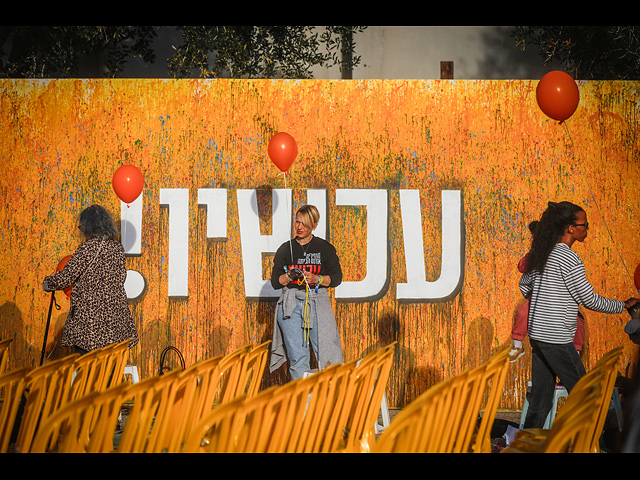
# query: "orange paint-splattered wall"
x,y
62,140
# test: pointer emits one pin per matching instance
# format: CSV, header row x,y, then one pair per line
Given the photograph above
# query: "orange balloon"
x,y
282,150
60,267
557,95
127,182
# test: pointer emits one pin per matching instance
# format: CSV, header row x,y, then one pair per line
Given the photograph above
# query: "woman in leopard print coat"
x,y
99,313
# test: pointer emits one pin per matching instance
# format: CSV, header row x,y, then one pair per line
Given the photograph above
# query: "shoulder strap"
x,y
92,261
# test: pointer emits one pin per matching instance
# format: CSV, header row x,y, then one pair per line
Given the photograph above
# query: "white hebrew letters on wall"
x,y
417,288
177,199
130,237
215,201
254,244
377,217
319,199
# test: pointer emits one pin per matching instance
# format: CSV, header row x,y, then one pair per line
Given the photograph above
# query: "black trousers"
x,y
548,361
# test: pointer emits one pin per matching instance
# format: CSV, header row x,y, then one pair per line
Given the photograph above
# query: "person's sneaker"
x,y
515,353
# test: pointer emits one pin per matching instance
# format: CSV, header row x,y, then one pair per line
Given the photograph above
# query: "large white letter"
x,y
131,226
177,199
318,198
377,217
215,199
417,288
253,243
131,239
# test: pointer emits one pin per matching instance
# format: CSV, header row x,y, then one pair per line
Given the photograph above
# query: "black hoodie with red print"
x,y
318,257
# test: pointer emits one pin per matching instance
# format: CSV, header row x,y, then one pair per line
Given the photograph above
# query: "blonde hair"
x,y
309,215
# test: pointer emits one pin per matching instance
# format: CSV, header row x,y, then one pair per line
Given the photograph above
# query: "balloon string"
x,y
124,233
285,178
567,130
584,179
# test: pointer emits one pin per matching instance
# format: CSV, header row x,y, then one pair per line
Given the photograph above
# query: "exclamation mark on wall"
x,y
130,236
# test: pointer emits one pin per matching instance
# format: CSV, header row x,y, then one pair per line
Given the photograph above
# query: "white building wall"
x,y
405,52
415,52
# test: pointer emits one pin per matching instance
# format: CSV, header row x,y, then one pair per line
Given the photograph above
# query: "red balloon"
x,y
636,278
282,150
127,182
557,95
60,267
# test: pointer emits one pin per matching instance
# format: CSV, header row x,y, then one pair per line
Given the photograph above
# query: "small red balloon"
x,y
59,268
128,182
282,150
557,95
636,278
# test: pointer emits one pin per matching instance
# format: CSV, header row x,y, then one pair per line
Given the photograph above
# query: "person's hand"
x,y
295,274
631,302
313,279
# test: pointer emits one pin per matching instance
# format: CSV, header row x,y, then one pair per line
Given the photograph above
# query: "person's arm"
x,y
69,274
331,268
321,279
526,284
584,294
522,264
278,273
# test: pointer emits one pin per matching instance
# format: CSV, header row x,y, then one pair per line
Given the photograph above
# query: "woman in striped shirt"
x,y
555,281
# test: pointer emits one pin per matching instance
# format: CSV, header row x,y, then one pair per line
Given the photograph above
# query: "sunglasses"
x,y
585,225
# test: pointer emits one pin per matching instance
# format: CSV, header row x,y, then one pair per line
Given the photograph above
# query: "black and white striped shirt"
x,y
556,295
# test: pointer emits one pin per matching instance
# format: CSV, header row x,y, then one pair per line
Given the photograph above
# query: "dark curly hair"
x,y
548,231
96,221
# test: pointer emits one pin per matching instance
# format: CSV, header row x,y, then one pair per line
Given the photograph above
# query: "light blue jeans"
x,y
295,343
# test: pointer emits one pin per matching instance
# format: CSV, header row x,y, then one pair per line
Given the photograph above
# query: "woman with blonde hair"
x,y
305,267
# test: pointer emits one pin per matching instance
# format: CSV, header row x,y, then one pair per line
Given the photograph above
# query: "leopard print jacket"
x,y
99,313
